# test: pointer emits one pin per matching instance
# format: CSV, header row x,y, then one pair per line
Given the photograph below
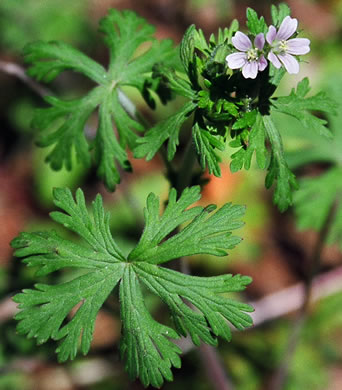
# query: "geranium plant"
x,y
229,85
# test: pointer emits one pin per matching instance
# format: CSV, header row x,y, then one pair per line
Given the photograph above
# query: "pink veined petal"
x,y
287,28
250,70
274,59
262,63
236,60
241,41
290,63
298,46
259,41
271,34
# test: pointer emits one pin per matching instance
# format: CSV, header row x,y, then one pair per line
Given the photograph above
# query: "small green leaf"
x,y
206,143
256,143
255,24
169,129
187,47
246,121
279,14
300,107
233,28
278,169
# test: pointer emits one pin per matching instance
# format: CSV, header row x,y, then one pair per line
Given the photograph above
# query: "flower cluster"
x,y
280,50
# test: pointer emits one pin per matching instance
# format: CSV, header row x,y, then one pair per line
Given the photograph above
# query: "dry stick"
x,y
214,369
280,376
19,72
290,299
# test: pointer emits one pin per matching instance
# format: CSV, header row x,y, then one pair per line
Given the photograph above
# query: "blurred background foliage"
x,y
274,251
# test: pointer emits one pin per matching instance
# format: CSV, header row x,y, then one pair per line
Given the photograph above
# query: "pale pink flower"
x,y
284,49
250,57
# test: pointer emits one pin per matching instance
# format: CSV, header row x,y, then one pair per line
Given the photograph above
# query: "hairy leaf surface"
x,y
67,311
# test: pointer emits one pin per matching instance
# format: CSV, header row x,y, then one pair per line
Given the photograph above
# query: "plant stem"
x,y
210,358
185,172
280,376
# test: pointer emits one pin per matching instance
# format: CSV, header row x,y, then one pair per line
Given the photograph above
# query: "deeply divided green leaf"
x,y
67,311
64,124
301,107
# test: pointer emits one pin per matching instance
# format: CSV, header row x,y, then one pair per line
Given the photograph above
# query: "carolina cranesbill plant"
x,y
228,84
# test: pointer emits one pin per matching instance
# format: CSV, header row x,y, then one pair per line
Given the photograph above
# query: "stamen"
x,y
252,55
283,45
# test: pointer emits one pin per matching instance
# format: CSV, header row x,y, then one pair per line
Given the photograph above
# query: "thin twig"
x,y
19,72
290,299
214,369
280,375
8,309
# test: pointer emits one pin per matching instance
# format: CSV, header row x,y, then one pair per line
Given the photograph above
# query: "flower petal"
x,y
250,70
259,41
274,59
262,63
287,28
270,36
290,63
236,60
241,41
298,46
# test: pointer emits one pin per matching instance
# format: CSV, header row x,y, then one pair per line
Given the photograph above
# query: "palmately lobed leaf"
x,y
298,105
67,311
124,33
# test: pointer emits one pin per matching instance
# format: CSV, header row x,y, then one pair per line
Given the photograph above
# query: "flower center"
x,y
280,47
252,55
